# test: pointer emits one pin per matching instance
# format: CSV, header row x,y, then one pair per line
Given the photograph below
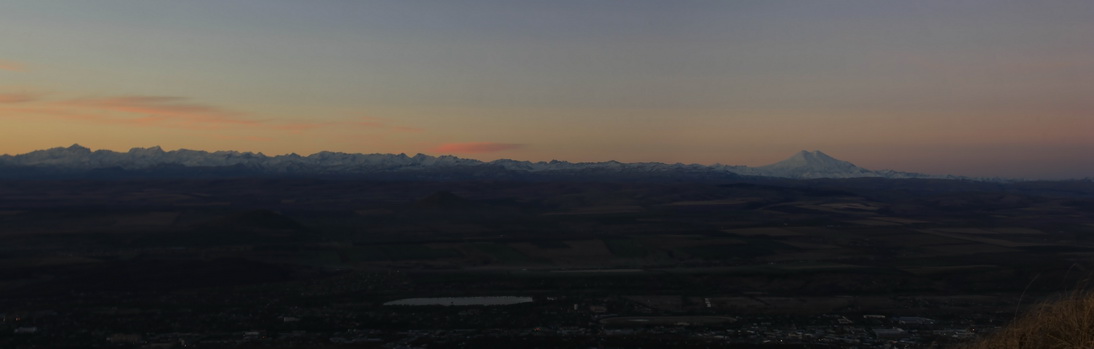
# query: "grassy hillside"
x,y
1062,324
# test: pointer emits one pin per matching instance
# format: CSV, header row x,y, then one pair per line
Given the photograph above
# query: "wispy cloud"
x,y
11,66
170,112
165,111
18,97
476,147
140,111
147,104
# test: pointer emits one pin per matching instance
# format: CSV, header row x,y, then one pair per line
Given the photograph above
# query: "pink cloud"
x,y
11,66
476,147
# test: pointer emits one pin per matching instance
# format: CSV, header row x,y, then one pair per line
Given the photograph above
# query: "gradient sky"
x,y
981,88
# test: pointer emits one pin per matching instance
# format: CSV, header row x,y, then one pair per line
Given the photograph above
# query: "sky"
x,y
976,88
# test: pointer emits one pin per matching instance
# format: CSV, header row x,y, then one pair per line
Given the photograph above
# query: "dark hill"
x,y
243,228
444,200
257,219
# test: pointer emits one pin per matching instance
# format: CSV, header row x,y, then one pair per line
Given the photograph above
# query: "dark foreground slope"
x,y
1061,323
299,262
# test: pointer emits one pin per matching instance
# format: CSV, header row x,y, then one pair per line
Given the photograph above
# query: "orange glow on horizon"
x,y
476,147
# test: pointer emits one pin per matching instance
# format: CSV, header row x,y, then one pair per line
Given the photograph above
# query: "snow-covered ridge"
x,y
804,164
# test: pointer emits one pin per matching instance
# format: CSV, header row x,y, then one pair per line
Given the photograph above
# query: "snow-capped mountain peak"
x,y
812,161
813,164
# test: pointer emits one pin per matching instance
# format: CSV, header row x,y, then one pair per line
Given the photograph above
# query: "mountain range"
x,y
81,162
